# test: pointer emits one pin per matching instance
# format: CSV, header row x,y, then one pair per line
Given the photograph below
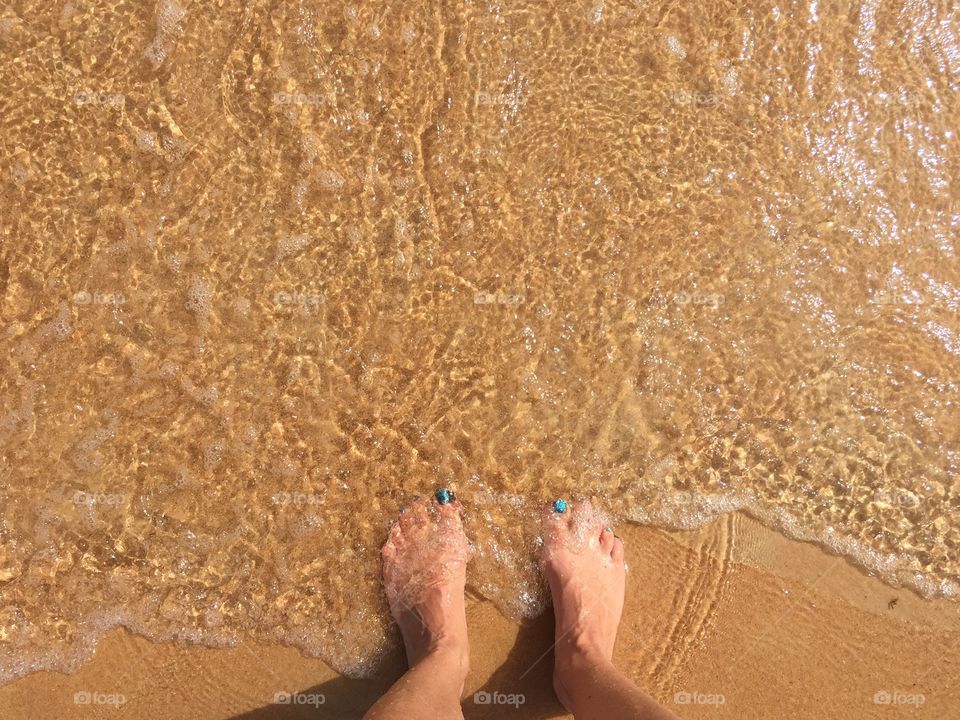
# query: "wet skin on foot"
x,y
424,573
583,562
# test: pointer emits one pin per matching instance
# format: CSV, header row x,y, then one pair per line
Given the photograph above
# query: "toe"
x,y
557,511
618,552
586,516
413,515
417,505
551,518
444,499
405,521
388,555
557,527
395,534
389,551
607,540
587,523
450,513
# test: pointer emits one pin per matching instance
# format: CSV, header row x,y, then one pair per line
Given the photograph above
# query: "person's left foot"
x,y
424,571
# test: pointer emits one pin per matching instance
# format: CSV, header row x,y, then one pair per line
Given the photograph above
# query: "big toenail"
x,y
559,506
444,496
608,530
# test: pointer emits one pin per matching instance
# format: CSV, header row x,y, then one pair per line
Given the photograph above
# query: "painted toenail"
x,y
416,497
608,530
402,510
444,496
559,506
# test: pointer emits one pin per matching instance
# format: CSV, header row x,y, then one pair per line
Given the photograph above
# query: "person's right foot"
x,y
583,562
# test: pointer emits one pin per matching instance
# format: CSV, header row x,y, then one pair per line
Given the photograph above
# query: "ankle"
x,y
452,653
574,668
579,650
577,659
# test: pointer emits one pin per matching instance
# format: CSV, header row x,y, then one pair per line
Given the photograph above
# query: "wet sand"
x,y
733,612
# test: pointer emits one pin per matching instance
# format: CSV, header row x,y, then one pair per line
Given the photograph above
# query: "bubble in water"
x,y
310,145
63,322
212,453
730,81
146,140
596,12
332,180
291,245
675,47
199,297
169,16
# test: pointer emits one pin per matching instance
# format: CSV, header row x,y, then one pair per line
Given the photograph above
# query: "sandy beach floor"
x,y
732,620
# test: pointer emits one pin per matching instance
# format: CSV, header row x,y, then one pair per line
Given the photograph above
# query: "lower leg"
x,y
593,689
430,689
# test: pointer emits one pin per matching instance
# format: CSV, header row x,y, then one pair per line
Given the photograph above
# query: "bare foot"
x,y
424,571
583,562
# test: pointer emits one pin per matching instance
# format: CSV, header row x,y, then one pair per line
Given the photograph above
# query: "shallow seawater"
x,y
267,270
